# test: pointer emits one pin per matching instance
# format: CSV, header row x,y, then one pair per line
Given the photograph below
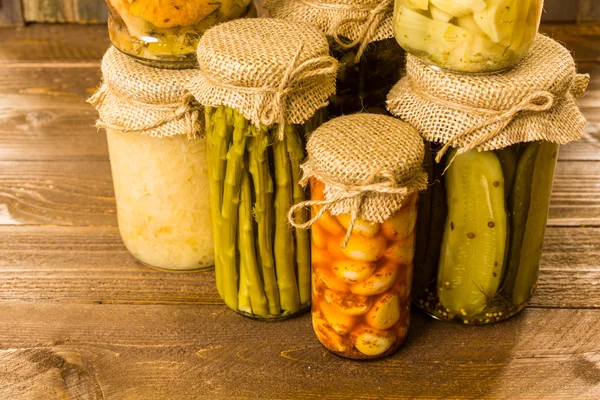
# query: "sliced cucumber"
x,y
474,242
499,19
459,8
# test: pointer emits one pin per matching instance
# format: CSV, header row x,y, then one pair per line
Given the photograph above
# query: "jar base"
x,y
282,317
182,271
491,318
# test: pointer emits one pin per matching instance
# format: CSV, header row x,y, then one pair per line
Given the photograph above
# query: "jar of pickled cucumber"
x,y
166,34
469,36
494,148
264,84
361,37
365,172
158,161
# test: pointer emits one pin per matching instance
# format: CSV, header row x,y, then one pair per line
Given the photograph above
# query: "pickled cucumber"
x,y
474,242
508,159
519,203
535,227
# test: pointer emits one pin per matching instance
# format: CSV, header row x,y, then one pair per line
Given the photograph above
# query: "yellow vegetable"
x,y
382,280
402,223
172,13
373,342
334,248
327,336
360,248
353,271
319,257
347,303
361,227
341,323
329,223
319,236
325,277
402,251
385,312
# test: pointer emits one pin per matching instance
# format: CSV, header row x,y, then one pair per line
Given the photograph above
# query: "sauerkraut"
x,y
474,36
161,188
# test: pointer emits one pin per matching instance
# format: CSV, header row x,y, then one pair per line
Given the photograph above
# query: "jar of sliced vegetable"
x,y
264,84
165,34
158,160
471,36
365,172
361,37
495,141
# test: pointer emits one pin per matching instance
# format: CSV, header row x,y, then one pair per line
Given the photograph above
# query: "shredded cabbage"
x,y
161,188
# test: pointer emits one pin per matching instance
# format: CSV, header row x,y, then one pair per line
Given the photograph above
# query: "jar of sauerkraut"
x,y
495,141
264,84
165,34
365,172
470,36
158,161
361,37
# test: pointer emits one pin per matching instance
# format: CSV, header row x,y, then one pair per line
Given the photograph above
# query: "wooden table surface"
x,y
80,319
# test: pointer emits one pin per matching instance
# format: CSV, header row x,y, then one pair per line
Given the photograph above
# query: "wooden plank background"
x,y
95,11
80,319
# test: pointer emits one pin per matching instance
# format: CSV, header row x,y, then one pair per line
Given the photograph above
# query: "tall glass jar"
x,y
364,83
166,35
158,161
361,293
495,142
265,85
485,225
365,172
475,36
361,38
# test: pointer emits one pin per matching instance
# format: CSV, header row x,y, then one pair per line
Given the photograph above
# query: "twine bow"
x,y
374,13
539,101
381,182
296,77
187,109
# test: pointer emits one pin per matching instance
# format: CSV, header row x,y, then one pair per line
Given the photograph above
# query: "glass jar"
x,y
484,222
166,35
263,265
361,293
161,187
473,36
258,111
364,84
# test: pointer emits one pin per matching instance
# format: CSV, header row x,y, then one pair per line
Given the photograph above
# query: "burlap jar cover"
x,y
271,71
360,21
535,101
145,100
368,163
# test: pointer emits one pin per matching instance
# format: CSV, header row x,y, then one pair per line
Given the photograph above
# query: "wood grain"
x,y
80,193
91,265
560,10
56,193
11,13
162,352
80,11
589,10
42,43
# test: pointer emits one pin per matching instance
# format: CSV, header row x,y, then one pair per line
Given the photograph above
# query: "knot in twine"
x,y
538,101
374,15
187,109
381,182
295,78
